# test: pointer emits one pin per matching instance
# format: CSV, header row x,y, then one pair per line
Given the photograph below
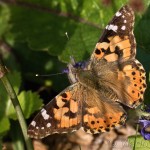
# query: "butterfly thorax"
x,y
90,78
86,77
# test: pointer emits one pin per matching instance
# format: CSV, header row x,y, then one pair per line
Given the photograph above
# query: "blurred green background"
x,y
33,40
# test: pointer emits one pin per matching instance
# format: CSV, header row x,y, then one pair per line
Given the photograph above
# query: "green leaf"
x,y
30,102
80,51
50,26
4,125
5,16
141,144
142,34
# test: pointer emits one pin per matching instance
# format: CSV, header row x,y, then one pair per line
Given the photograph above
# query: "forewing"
x,y
117,41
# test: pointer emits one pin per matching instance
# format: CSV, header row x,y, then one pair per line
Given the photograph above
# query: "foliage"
x,y
32,40
140,143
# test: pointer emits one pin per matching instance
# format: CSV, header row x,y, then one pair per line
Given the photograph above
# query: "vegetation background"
x,y
33,40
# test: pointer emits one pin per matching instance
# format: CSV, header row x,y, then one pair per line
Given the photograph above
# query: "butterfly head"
x,y
80,65
74,68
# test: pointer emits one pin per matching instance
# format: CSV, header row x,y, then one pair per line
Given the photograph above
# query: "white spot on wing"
x,y
88,131
95,132
113,27
48,125
55,132
118,14
110,27
81,129
37,127
123,16
33,123
125,21
123,27
73,130
42,128
44,114
64,132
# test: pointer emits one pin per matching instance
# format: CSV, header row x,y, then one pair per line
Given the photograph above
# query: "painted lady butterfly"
x,y
112,77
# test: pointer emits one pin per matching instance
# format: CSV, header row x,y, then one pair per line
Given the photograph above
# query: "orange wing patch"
x,y
64,122
93,123
115,48
136,88
58,113
101,49
126,53
111,57
61,99
66,111
73,106
122,45
93,110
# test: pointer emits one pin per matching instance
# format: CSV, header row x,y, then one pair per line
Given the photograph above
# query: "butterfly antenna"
x,y
71,56
67,36
48,75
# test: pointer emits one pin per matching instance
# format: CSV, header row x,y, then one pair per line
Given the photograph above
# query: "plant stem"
x,y
16,104
134,146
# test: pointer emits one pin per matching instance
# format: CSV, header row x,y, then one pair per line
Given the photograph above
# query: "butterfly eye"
x,y
77,65
80,65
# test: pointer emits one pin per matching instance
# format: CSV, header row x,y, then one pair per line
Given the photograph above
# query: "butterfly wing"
x,y
117,40
76,107
113,60
60,115
100,114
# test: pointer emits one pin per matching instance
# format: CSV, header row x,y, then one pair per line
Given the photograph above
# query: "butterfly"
x,y
111,78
